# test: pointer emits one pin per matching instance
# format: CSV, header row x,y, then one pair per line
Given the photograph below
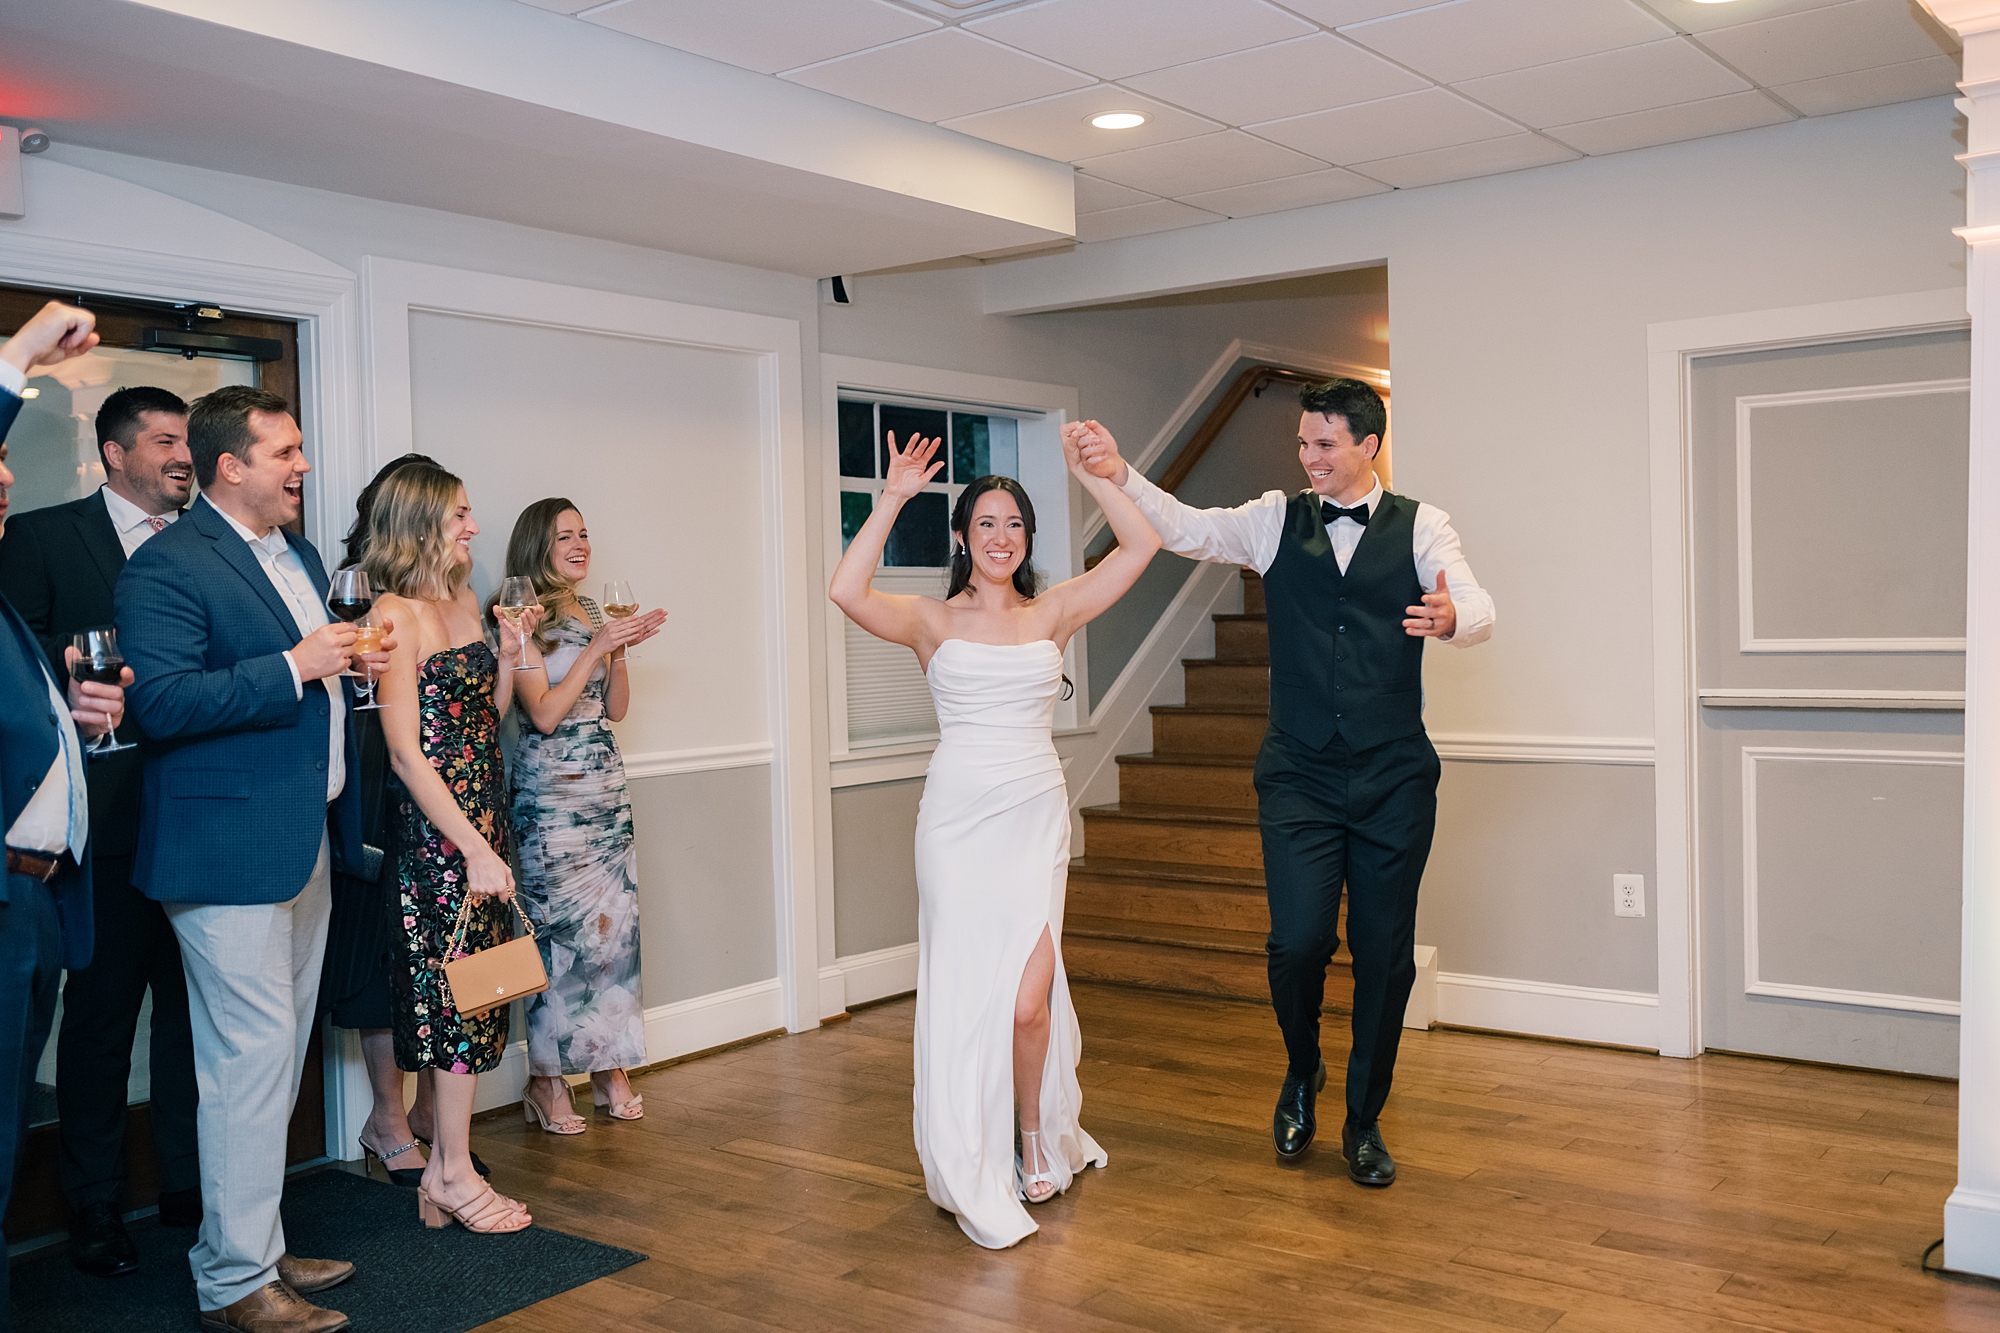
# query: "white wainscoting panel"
x,y
1754,983
1746,408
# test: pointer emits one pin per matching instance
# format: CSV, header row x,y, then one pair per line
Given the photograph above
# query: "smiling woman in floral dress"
x,y
573,823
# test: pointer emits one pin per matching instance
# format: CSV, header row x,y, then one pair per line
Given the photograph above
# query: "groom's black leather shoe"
x,y
98,1244
1292,1126
1368,1162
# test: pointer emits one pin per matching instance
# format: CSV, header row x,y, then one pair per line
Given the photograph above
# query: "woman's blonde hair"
x,y
408,552
531,554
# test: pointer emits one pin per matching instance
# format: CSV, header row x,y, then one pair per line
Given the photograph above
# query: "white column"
x,y
1972,1213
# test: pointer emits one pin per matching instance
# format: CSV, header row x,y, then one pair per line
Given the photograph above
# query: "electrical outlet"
x,y
1628,895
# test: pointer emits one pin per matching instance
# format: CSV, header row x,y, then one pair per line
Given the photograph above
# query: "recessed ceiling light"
x,y
1118,120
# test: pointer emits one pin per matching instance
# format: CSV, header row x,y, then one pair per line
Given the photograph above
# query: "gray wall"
x,y
709,918
1519,883
874,866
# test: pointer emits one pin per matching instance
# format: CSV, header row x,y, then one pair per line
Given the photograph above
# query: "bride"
x,y
995,1033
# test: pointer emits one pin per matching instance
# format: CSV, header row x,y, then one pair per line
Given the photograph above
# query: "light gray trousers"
x,y
253,987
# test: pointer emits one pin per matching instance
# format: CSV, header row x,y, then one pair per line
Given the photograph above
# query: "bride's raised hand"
x,y
911,469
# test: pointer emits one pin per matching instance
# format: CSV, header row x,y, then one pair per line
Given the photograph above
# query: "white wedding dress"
x,y
992,864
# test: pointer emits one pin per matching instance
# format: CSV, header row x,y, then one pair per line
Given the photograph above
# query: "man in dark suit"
x,y
45,916
247,800
58,567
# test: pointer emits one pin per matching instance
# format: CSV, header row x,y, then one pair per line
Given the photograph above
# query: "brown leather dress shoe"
x,y
306,1276
273,1308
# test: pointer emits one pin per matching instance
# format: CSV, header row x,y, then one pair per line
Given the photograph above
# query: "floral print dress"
x,y
459,731
579,878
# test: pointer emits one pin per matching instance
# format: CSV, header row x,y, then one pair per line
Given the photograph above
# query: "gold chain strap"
x,y
457,948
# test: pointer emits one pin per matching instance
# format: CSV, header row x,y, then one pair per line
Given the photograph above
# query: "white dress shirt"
x,y
288,575
132,523
57,816
1249,535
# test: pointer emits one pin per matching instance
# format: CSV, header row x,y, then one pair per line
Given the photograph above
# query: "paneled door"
x,y
1828,499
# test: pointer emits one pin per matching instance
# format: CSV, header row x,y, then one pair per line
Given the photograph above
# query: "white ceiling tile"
x,y
1059,126
1338,13
1210,162
1471,38
1464,161
1610,83
1094,195
1671,124
561,6
1315,187
1284,79
1113,38
1694,16
939,75
1837,39
1934,76
1391,127
764,35
1139,219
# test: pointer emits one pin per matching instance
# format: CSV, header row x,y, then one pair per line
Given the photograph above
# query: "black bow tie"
x,y
1329,511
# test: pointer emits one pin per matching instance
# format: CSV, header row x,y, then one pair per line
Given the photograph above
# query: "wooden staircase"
x,y
1171,894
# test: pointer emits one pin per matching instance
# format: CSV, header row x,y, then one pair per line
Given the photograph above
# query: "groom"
x,y
1355,579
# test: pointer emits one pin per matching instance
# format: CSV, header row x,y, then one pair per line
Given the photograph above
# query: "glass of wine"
x,y
619,603
368,634
99,661
517,594
349,597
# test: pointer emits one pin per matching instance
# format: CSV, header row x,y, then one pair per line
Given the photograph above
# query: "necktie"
x,y
156,522
1329,511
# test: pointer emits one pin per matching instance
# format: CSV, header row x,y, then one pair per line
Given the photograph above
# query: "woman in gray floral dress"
x,y
573,828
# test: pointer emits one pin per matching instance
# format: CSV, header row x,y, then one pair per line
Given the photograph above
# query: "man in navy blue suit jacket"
x,y
45,916
247,804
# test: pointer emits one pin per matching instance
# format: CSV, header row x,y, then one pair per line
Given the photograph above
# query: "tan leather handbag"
x,y
493,977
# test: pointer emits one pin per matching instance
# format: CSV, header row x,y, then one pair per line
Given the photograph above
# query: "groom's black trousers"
x,y
1363,819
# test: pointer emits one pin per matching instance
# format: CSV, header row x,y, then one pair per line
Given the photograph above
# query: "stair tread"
x,y
1190,759
1158,932
1211,877
1172,814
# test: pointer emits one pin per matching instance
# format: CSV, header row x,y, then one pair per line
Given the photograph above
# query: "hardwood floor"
x,y
1542,1186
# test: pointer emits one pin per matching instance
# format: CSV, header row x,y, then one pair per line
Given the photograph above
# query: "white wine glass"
x,y
517,594
619,602
99,661
368,636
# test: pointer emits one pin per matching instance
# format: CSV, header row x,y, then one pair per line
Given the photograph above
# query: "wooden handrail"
x,y
1252,380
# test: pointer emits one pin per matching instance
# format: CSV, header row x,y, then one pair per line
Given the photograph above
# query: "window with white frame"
x,y
978,442
888,700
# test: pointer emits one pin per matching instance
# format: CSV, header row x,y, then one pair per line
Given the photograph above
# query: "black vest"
x,y
1340,661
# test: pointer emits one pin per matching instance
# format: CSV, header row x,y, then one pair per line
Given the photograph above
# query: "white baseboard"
x,y
1422,1010
1546,1009
859,978
1972,1232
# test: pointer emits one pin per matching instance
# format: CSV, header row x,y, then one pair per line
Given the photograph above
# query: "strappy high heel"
x,y
477,1165
407,1177
629,1109
551,1123
1031,1139
487,1214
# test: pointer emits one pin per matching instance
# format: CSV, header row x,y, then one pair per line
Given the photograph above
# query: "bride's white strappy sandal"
x,y
1031,1140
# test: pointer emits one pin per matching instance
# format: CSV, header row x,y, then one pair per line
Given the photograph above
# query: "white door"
x,y
1829,518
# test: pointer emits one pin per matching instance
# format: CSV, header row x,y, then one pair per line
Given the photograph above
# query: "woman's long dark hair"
x,y
1026,581
357,536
